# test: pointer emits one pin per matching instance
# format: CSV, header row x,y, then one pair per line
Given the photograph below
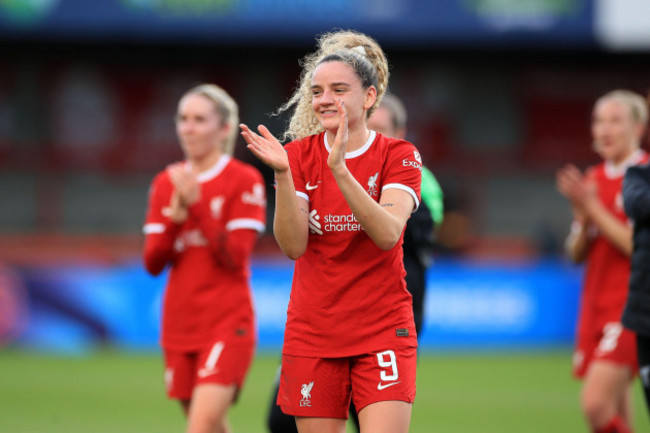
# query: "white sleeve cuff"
x,y
404,188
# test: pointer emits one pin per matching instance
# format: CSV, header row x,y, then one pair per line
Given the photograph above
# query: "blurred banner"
x,y
623,25
468,306
442,22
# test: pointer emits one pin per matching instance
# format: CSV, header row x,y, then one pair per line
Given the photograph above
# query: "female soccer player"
x,y
600,235
203,219
389,119
344,194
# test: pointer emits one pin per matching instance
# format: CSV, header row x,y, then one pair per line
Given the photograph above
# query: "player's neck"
x,y
206,162
623,157
356,138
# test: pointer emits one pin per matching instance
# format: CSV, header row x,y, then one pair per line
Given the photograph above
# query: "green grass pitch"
x,y
110,391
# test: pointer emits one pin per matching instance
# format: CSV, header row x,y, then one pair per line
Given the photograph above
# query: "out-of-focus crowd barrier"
x,y
469,305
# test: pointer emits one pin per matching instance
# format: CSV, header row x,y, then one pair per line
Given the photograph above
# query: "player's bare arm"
x,y
577,242
570,183
291,221
584,199
616,231
384,224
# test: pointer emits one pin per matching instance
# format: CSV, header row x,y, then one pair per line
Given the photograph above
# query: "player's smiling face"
x,y
199,126
336,80
616,135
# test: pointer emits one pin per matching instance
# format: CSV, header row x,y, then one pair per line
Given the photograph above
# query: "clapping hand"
x,y
336,157
266,147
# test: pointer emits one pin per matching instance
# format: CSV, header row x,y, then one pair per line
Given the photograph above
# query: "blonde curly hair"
x,y
357,50
225,106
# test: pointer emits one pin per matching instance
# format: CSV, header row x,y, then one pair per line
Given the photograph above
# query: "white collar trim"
x,y
354,153
213,171
613,171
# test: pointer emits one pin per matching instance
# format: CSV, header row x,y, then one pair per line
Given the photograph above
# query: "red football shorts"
x,y
323,387
609,342
223,362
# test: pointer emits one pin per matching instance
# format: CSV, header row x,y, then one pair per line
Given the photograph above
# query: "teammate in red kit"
x,y
203,219
344,194
601,235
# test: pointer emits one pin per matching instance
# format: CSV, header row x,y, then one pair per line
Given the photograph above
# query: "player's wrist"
x,y
281,171
577,226
339,170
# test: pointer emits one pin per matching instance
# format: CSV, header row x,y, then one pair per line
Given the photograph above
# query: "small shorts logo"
x,y
372,185
578,359
169,378
306,394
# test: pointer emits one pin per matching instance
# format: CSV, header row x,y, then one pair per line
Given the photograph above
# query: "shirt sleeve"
x,y
403,170
231,241
160,232
248,204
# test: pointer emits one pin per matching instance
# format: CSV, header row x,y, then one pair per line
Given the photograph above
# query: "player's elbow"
x,y
292,252
388,239
292,248
293,243
628,246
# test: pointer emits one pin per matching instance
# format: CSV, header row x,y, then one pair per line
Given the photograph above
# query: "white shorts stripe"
x,y
214,355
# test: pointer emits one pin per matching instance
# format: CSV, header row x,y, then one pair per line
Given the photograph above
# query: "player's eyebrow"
x,y
337,84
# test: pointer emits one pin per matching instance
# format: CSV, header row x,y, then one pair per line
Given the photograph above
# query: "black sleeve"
x,y
636,193
418,236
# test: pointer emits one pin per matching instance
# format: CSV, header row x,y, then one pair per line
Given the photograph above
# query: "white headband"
x,y
360,49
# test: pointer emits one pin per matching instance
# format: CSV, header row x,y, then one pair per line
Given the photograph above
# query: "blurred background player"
x,y
344,194
605,354
203,219
389,119
636,316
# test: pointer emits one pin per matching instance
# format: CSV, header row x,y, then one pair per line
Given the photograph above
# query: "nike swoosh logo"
x,y
381,386
310,187
207,372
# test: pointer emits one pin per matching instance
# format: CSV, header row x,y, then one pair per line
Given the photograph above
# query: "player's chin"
x,y
329,122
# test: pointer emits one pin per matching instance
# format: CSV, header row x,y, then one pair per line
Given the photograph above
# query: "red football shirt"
x,y
207,295
607,271
348,296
